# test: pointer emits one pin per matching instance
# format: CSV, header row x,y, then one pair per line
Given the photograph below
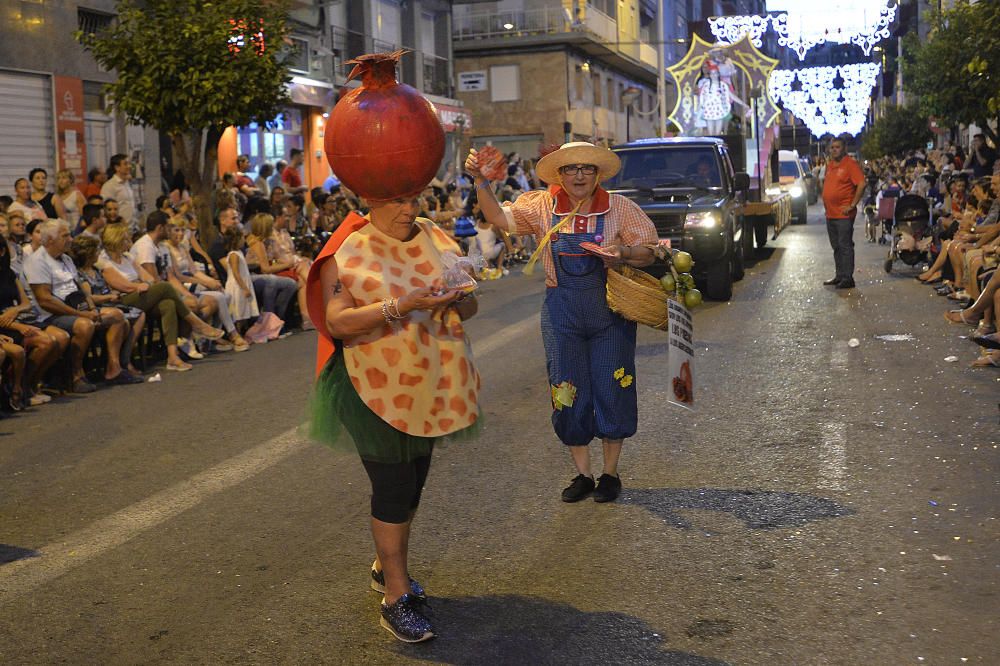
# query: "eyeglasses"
x,y
573,169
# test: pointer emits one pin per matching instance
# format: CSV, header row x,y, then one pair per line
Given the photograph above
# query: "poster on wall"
x,y
69,126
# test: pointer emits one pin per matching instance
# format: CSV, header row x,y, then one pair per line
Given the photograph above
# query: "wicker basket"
x,y
638,297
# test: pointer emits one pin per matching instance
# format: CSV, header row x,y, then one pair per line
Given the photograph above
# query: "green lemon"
x,y
668,283
683,262
692,298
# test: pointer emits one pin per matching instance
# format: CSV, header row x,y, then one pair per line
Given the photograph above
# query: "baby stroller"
x,y
911,237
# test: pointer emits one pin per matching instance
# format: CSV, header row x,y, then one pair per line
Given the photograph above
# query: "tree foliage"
x,y
192,68
901,129
956,71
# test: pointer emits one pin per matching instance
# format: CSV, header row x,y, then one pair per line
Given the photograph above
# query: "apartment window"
x,y
91,22
595,83
298,57
505,83
388,30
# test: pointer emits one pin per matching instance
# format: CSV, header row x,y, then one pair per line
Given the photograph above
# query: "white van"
x,y
792,178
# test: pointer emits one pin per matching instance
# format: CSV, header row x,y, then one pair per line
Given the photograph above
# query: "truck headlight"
x,y
707,220
772,191
796,191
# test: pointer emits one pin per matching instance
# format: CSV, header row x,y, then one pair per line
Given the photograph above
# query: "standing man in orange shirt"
x,y
842,190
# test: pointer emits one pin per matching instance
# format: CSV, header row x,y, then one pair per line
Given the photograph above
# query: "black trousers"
x,y
841,234
396,488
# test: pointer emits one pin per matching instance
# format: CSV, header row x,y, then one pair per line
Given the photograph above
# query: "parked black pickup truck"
x,y
688,187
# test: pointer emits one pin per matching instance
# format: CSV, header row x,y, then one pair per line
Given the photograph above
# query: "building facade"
x,y
52,110
549,71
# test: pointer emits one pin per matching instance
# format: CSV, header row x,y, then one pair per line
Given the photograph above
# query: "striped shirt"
x,y
624,221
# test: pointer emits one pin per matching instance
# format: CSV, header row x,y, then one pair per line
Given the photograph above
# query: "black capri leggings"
x,y
396,487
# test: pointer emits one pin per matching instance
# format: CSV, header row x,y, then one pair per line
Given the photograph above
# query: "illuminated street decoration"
x,y
813,95
741,66
802,25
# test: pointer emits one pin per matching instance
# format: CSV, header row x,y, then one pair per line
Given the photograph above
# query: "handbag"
x,y
77,300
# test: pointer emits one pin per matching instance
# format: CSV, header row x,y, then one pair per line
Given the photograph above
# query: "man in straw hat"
x,y
590,351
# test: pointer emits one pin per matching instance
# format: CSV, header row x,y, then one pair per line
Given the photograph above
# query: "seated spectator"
x,y
242,302
12,359
188,276
92,222
17,236
111,215
23,202
276,261
278,198
18,321
244,183
95,180
34,237
297,223
59,302
227,219
981,157
85,251
493,245
5,202
139,289
149,251
47,200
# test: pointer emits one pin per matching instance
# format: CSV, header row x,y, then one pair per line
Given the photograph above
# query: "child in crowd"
x,y
239,286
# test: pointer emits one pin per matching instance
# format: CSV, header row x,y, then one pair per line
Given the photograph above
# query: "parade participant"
x,y
590,351
395,369
842,190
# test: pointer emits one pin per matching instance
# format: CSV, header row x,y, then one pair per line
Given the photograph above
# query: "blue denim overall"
x,y
589,346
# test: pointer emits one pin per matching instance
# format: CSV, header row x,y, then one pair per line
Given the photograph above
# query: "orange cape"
x,y
325,346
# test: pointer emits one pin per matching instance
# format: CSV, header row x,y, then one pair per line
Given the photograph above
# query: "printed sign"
x,y
69,125
680,356
472,81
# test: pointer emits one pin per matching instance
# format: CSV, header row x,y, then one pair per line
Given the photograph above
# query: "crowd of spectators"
x,y
963,193
88,284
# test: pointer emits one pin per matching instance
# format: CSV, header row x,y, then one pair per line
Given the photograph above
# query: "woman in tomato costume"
x,y
590,351
395,371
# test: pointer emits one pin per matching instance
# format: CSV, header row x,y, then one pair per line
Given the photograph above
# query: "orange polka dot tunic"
x,y
417,375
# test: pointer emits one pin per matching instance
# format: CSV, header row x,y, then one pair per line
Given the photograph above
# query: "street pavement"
x,y
823,504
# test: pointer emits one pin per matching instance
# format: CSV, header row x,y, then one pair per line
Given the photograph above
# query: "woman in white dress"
x,y
71,198
239,285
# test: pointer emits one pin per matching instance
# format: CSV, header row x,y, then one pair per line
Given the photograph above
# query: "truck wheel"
x,y
720,280
760,232
739,264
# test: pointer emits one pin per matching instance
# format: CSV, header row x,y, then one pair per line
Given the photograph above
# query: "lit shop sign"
x,y
452,116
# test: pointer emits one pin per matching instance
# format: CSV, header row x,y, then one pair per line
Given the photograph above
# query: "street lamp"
x,y
629,95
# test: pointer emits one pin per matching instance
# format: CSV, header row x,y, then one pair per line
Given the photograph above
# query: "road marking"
x,y
22,576
495,341
833,457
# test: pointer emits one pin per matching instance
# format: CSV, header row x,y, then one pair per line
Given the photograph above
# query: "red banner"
x,y
69,127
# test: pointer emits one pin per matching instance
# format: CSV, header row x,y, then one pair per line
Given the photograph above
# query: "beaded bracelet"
x,y
388,305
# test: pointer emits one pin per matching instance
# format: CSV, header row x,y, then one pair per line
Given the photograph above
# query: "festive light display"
x,y
813,95
802,25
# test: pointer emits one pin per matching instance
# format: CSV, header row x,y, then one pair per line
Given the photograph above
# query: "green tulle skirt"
x,y
341,420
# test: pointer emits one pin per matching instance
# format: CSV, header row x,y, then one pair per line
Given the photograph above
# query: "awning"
x,y
310,92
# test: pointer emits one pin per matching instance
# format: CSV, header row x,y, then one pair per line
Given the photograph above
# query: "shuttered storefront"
x,y
26,127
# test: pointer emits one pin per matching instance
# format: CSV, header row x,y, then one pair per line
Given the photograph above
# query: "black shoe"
x,y
846,284
378,584
405,620
578,489
831,282
608,488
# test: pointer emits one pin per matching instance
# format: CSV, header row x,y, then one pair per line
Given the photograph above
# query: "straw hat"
x,y
577,152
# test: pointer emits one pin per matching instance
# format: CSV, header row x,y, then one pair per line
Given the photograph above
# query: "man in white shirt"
x,y
149,251
119,189
59,302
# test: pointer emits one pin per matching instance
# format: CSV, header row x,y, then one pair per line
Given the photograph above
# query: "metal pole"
x,y
661,80
628,121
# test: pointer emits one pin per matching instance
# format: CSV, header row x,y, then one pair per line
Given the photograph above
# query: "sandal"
x,y
961,318
989,341
988,360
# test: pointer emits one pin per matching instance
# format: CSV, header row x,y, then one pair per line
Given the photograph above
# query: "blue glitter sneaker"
x,y
378,584
405,620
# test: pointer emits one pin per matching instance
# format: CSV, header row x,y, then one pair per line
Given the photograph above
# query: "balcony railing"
x,y
348,44
485,25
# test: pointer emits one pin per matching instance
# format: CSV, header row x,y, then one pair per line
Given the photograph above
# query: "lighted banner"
x,y
814,96
714,84
802,25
